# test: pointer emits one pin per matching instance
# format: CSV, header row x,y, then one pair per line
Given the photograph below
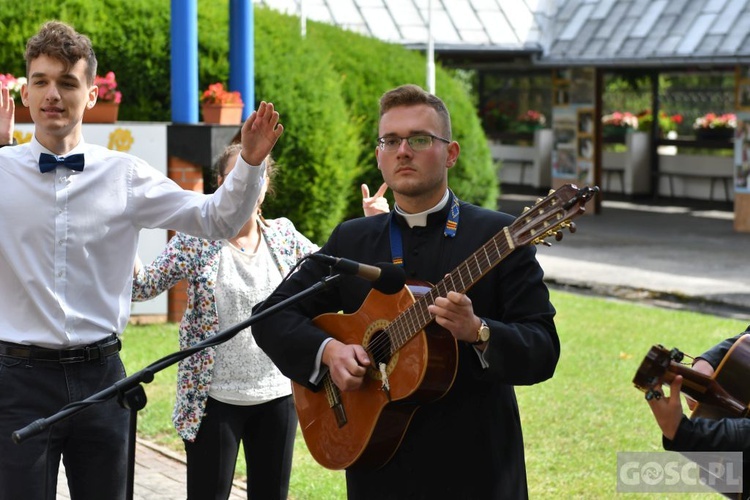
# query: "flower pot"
x,y
714,134
222,114
102,112
528,128
22,114
615,132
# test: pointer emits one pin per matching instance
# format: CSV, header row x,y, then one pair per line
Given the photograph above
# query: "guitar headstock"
x,y
661,366
655,366
551,214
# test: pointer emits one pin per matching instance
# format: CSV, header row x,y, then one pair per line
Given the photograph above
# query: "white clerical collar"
x,y
420,219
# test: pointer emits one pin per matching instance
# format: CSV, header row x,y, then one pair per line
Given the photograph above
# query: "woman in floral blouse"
x,y
232,392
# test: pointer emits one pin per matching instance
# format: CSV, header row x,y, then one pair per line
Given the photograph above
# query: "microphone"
x,y
385,277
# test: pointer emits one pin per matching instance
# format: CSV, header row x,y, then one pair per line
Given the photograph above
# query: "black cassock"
x,y
469,443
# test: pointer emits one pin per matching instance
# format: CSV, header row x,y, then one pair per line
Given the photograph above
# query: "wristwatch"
x,y
483,334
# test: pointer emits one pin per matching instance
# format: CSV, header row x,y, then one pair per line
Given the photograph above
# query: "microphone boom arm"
x,y
122,387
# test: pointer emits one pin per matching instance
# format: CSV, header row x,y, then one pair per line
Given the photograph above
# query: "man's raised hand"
x,y
260,132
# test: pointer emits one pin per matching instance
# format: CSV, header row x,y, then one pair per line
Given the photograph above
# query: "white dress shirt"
x,y
68,239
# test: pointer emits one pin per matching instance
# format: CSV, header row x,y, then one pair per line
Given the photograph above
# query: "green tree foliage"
x,y
326,87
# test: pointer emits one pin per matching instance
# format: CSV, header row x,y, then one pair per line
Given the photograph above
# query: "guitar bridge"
x,y
386,385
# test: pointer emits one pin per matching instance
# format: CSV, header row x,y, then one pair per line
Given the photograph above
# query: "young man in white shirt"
x,y
72,212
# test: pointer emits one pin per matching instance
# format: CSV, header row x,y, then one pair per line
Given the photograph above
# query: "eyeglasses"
x,y
391,143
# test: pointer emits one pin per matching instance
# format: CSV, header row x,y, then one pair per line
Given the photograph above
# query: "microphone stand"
x,y
130,393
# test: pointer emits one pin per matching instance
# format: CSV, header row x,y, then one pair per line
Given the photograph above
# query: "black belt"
x,y
103,348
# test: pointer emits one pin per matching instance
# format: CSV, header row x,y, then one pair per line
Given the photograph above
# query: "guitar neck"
x,y
705,389
545,218
417,317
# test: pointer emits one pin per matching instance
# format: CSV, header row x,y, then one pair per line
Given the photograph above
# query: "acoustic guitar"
x,y
413,360
725,394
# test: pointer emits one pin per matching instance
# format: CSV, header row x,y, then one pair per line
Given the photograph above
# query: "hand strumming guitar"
x,y
347,364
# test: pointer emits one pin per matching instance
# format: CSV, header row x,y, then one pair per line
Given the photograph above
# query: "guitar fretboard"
x,y
542,220
416,317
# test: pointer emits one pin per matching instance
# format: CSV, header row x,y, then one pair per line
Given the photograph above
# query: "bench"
x,y
527,165
712,170
619,173
613,165
523,164
713,178
522,157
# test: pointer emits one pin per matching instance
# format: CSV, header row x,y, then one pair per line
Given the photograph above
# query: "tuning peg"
x,y
550,192
538,200
546,243
572,227
525,209
558,235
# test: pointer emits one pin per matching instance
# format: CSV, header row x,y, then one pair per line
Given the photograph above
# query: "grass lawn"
x,y
574,424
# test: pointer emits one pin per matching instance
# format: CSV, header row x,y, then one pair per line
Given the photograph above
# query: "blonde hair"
x,y
221,163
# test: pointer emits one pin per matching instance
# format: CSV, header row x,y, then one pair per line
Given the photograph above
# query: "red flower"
x,y
216,94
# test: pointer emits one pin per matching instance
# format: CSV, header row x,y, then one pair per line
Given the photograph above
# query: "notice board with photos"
x,y
573,126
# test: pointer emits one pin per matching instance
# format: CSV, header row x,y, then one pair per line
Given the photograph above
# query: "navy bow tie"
x,y
48,162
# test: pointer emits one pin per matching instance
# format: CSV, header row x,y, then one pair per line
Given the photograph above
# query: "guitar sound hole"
x,y
380,348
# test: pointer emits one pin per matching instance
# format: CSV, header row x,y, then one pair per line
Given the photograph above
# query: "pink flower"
x,y
532,117
712,120
107,85
619,119
13,84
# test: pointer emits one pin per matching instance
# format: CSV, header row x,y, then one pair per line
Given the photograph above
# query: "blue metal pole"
x,y
184,65
242,52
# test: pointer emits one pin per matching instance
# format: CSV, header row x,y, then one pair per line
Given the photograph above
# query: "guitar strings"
x,y
396,334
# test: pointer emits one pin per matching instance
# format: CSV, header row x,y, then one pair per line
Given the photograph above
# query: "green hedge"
x,y
326,87
318,151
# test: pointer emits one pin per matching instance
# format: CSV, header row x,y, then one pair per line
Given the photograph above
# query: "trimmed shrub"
x,y
318,151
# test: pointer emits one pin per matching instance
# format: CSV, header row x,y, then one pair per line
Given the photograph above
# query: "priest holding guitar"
x,y
413,395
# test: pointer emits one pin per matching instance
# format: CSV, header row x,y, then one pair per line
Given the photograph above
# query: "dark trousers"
x,y
93,443
267,433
